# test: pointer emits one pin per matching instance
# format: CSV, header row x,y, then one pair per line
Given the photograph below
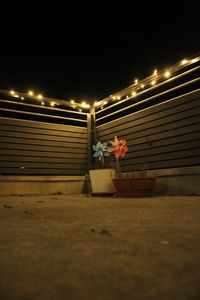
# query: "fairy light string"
x,y
138,87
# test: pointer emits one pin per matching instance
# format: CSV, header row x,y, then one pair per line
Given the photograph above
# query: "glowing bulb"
x,y
167,74
12,92
22,98
184,61
80,109
153,82
30,93
113,97
16,96
40,96
85,105
136,81
155,73
134,94
42,102
142,86
72,101
52,103
105,102
118,97
194,60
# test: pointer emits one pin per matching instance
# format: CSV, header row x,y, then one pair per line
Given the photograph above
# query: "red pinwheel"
x,y
119,148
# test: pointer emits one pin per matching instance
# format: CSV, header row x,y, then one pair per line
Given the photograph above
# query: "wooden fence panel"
x,y
166,135
32,148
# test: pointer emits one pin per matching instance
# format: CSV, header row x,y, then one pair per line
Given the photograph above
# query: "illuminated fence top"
x,y
39,108
163,85
160,86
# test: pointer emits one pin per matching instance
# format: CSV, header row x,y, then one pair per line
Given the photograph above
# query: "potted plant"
x,y
101,177
129,185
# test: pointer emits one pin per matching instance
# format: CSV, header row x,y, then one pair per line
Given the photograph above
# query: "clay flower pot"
x,y
134,187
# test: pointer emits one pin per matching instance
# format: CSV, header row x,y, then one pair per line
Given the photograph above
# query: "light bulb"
x,y
184,61
167,74
155,73
30,93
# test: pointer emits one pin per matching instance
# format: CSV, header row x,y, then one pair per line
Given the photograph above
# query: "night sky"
x,y
90,52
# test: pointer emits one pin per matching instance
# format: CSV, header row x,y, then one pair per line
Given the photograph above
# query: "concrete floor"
x,y
77,247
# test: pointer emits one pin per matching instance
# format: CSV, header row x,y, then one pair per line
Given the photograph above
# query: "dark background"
x,y
89,51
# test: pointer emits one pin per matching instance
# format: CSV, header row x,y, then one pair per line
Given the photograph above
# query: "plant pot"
x,y
134,187
102,182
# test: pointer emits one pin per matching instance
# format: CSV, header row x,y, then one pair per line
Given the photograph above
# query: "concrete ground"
x,y
77,247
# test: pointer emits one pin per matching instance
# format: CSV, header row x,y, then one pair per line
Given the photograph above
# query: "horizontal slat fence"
x,y
166,135
39,148
160,121
137,98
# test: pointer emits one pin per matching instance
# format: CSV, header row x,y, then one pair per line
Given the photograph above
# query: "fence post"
x,y
91,129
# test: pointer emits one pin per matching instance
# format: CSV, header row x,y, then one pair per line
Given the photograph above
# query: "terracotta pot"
x,y
134,187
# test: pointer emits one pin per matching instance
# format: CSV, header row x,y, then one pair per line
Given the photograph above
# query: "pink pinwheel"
x,y
119,149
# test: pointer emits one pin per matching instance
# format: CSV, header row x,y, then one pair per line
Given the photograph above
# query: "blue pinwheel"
x,y
101,150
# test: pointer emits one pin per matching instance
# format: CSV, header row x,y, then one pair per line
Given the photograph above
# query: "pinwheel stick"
x,y
102,158
117,161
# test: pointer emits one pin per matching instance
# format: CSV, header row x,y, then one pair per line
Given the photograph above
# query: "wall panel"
x,y
166,135
32,148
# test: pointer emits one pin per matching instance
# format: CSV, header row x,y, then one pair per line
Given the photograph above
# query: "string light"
x,y
50,101
167,74
148,81
85,105
194,60
184,61
155,72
